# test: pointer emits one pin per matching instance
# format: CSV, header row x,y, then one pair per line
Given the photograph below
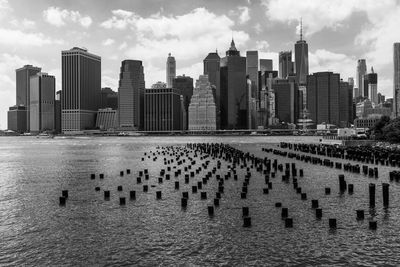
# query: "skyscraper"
x,y
131,95
396,79
323,97
361,71
286,100
109,98
285,64
345,104
81,87
301,58
252,70
373,86
212,70
42,99
233,98
202,110
171,70
185,85
23,88
266,65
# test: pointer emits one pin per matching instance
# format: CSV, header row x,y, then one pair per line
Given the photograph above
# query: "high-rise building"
x,y
252,71
23,76
171,70
163,109
266,65
185,85
109,98
396,79
106,119
42,97
57,112
286,66
323,97
301,58
81,89
373,86
361,71
202,110
266,105
212,70
131,95
233,96
345,104
286,100
16,119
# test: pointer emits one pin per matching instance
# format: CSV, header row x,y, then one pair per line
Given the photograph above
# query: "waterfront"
x,y
35,230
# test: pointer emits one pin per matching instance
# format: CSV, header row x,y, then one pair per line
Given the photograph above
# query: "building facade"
x,y
361,71
163,110
212,70
286,66
107,119
202,109
323,97
16,119
171,70
81,89
233,95
185,85
301,59
23,76
286,100
131,95
42,103
252,71
266,65
109,98
396,79
57,112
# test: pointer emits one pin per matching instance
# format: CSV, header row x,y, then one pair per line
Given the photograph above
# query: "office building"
x,y
345,104
57,112
361,71
171,70
23,76
396,79
159,85
301,59
212,70
42,107
286,66
252,71
16,119
109,98
202,109
163,109
286,100
81,89
233,95
266,106
185,85
323,97
372,86
107,119
266,65
131,95
381,98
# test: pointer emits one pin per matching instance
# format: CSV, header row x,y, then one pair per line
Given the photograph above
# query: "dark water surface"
x,y
36,231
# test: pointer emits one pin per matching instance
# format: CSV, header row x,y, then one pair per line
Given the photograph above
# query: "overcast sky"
x,y
338,33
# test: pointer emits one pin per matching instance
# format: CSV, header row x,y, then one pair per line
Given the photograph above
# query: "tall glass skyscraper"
x,y
361,71
131,95
171,70
396,79
301,59
285,64
81,89
212,69
23,76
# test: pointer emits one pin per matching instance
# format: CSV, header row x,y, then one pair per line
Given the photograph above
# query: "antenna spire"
x,y
301,29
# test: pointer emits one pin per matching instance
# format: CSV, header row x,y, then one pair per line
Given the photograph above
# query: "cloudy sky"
x,y
338,33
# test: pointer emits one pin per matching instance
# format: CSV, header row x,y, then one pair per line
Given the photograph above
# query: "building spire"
x,y
301,29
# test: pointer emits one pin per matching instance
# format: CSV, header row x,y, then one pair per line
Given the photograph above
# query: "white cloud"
x,y
157,35
108,42
17,37
323,60
57,17
244,14
24,24
262,45
123,46
257,28
107,81
5,8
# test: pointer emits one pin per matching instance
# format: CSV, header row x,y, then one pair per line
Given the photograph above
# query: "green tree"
x,y
391,131
377,130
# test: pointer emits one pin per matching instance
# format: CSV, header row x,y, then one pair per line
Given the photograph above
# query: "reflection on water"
x,y
35,230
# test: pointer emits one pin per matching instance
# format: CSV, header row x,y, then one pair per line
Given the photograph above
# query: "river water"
x,y
89,231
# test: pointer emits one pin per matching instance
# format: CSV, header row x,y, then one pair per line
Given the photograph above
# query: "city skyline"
x,y
149,30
